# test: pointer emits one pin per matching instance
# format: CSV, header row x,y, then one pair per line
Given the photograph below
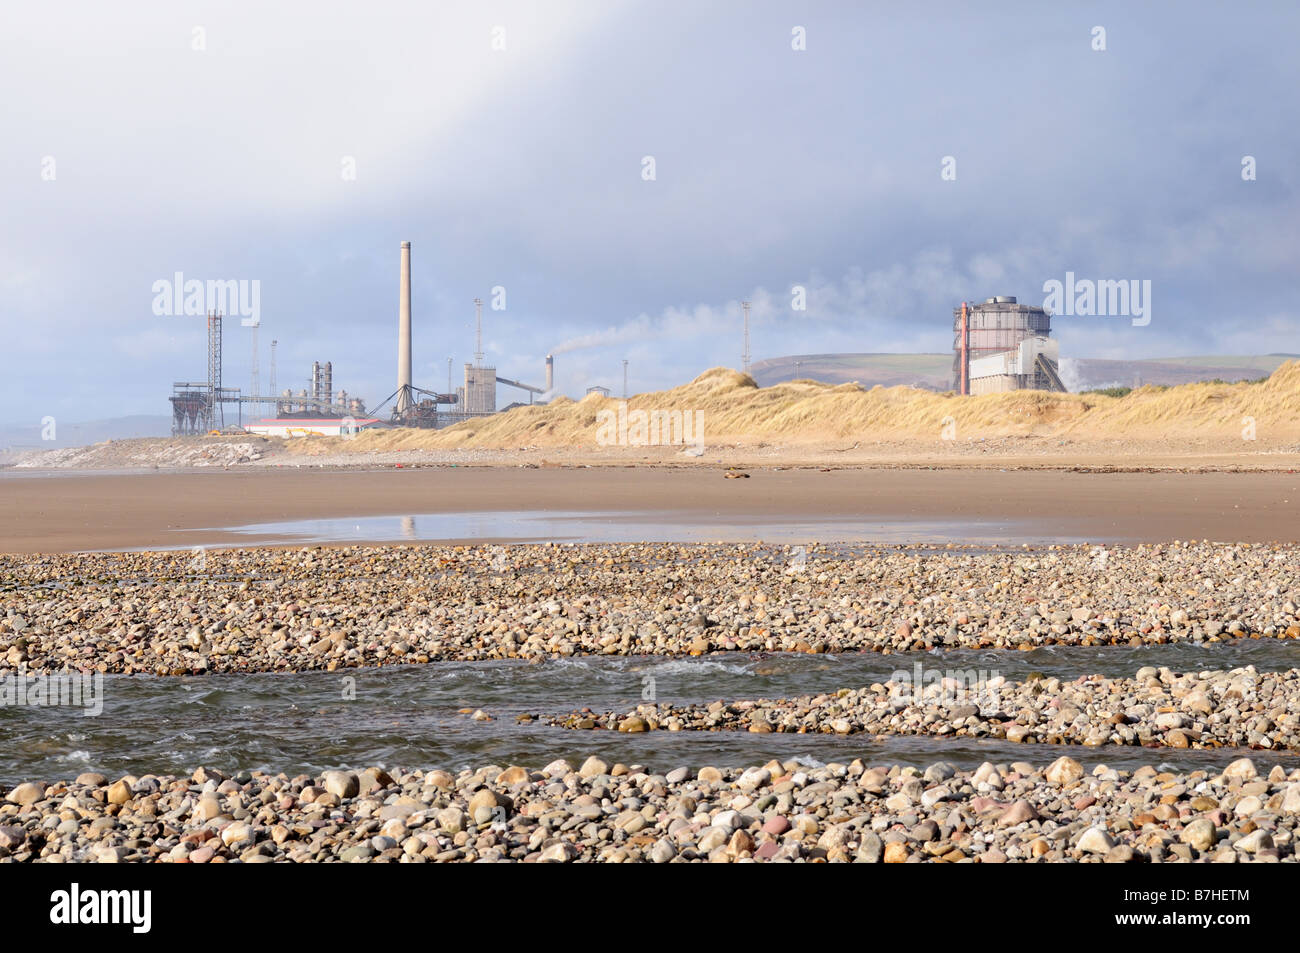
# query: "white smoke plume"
x,y
904,307
1069,371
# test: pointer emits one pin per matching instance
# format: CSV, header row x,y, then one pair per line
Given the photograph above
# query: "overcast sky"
x,y
128,155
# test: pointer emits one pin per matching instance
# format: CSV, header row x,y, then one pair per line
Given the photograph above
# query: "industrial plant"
x,y
477,397
206,407
201,407
1002,346
999,345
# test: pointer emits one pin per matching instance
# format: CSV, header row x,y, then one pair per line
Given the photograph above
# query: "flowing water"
x,y
411,715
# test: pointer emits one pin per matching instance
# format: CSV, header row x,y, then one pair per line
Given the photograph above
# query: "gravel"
x,y
1209,709
319,608
626,813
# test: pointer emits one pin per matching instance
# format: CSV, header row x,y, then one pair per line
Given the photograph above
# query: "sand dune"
x,y
735,410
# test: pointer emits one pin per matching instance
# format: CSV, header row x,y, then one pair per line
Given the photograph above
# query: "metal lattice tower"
x,y
214,410
256,384
744,358
478,332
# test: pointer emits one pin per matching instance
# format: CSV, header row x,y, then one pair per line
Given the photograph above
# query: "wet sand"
x,y
119,511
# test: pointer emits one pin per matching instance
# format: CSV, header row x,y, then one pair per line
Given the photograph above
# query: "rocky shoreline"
x,y
1239,708
256,610
324,608
627,813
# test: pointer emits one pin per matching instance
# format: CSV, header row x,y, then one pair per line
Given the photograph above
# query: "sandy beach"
x,y
94,511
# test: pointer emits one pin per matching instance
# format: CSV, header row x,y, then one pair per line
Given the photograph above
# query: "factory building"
x,y
477,397
200,407
479,393
1002,345
306,426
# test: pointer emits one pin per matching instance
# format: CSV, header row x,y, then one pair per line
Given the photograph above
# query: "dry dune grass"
x,y
1207,407
736,410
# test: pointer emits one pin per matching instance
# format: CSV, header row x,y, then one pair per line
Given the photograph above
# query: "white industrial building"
x,y
307,426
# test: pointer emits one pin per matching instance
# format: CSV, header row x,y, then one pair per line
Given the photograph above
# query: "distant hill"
x,y
931,371
17,438
1088,373
934,371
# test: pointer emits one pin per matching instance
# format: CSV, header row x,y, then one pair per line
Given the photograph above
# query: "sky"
x,y
891,160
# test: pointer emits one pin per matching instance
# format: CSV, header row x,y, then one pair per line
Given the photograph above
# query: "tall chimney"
x,y
965,350
404,334
550,372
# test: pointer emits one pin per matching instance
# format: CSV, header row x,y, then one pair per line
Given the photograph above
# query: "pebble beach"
x,y
1208,709
165,615
322,608
615,813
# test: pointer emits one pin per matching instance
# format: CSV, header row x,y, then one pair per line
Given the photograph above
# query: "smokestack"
x,y
965,351
404,334
315,379
327,382
550,372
